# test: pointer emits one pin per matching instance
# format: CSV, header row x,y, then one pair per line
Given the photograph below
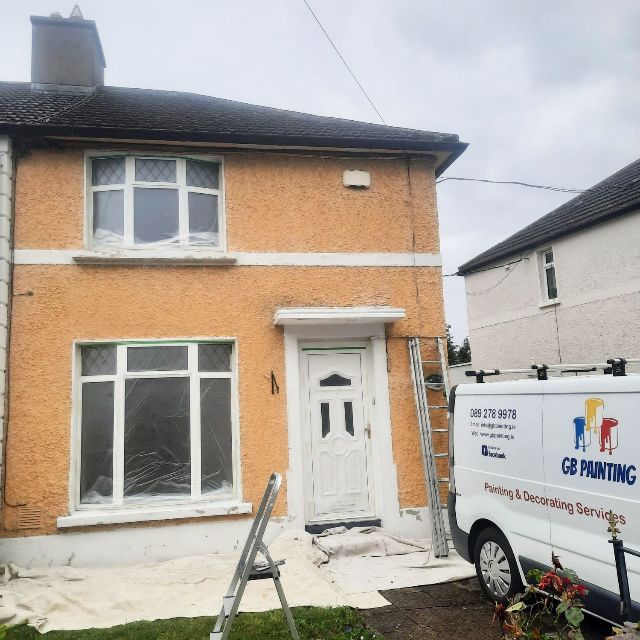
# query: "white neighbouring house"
x,y
566,288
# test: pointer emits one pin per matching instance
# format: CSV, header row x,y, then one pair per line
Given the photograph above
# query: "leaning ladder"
x,y
423,410
247,568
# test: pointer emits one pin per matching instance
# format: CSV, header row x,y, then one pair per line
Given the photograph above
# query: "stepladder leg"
x,y
285,608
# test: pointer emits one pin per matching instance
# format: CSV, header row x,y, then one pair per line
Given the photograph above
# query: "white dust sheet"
x,y
327,571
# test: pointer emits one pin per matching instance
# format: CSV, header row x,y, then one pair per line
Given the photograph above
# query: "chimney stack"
x,y
66,52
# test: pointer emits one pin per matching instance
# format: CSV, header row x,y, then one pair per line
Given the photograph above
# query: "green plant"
x,y
549,609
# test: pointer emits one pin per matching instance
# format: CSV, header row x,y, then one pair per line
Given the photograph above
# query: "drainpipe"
x,y
6,259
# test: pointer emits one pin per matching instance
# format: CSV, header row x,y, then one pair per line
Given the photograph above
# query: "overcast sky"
x,y
544,91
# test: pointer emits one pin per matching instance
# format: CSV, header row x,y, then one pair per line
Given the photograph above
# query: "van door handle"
x,y
367,430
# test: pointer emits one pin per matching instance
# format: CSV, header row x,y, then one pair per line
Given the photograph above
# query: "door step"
x,y
315,529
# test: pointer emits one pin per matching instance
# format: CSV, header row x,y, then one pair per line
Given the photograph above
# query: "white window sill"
x,y
549,303
153,256
86,518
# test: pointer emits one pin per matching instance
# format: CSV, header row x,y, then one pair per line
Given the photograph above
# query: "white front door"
x,y
338,474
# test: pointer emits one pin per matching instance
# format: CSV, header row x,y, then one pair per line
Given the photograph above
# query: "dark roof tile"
x,y
120,112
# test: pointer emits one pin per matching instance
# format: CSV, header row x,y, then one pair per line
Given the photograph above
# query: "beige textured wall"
x,y
273,204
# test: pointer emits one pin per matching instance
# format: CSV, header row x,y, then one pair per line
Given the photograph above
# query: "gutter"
x,y
6,258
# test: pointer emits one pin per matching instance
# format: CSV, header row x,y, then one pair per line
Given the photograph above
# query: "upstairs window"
x,y
548,276
147,202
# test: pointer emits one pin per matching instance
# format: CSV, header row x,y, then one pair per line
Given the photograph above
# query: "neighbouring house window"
x,y
550,287
146,202
155,423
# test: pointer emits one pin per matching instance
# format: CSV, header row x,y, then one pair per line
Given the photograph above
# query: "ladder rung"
x,y
443,479
438,406
430,362
440,430
440,455
227,604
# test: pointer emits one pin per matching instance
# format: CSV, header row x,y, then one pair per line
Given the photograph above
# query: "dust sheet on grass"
x,y
341,569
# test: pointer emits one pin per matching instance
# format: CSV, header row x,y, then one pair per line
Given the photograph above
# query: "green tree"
x,y
464,352
452,350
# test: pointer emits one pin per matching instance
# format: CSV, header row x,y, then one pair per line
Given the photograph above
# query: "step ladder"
x,y
437,380
248,569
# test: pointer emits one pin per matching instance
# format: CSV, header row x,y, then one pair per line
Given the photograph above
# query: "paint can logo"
x,y
593,426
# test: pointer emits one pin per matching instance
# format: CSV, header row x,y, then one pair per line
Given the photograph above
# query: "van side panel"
x,y
592,459
499,469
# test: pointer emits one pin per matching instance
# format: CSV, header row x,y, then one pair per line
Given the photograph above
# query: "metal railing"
x,y
619,551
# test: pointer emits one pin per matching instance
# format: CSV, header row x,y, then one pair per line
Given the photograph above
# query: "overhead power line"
x,y
346,64
521,184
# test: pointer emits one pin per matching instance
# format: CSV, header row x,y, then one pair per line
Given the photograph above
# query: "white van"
x,y
536,468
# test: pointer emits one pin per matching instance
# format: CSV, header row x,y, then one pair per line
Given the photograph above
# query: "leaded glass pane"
x,y
155,215
99,360
157,440
171,358
155,170
108,216
202,174
203,218
107,171
216,438
96,443
214,357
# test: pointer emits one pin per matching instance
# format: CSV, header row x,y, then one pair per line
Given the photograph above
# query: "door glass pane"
x,y
548,257
203,218
96,443
202,174
108,217
215,417
335,380
324,415
348,417
157,358
155,170
99,360
107,171
155,215
214,357
552,290
157,450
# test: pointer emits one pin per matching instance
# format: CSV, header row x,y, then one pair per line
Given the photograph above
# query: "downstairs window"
x,y
155,423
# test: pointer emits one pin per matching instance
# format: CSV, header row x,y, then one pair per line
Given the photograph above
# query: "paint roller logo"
x,y
593,426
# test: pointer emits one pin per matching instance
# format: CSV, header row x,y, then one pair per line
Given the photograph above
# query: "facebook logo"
x,y
485,450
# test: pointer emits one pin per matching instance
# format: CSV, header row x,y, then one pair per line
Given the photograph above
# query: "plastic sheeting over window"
x,y
151,396
155,202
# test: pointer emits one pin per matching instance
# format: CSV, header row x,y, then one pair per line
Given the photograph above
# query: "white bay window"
x,y
154,202
155,424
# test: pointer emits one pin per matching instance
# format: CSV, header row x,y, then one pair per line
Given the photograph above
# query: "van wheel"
x,y
496,566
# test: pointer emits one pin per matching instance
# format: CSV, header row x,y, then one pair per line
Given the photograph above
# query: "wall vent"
x,y
29,517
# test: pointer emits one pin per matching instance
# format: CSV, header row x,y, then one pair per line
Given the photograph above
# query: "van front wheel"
x,y
496,566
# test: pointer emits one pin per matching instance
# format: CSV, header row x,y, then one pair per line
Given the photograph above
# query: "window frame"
x,y
119,378
131,183
543,267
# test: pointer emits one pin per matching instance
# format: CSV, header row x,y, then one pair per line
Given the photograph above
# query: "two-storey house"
x,y
199,292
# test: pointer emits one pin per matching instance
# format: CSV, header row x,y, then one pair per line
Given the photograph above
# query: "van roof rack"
x,y
613,366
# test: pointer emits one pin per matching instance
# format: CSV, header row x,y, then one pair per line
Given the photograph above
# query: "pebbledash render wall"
x,y
274,203
597,313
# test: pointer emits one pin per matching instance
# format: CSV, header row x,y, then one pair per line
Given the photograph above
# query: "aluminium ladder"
x,y
423,410
248,569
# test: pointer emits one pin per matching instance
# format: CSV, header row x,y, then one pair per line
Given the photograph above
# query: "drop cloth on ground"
x,y
329,574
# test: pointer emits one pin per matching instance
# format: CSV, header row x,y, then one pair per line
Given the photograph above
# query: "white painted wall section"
x,y
597,315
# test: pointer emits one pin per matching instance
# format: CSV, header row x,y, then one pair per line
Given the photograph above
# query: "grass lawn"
x,y
313,623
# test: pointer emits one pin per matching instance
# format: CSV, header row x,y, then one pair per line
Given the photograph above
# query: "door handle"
x,y
367,430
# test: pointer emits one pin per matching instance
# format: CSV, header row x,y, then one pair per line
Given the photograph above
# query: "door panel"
x,y
339,444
